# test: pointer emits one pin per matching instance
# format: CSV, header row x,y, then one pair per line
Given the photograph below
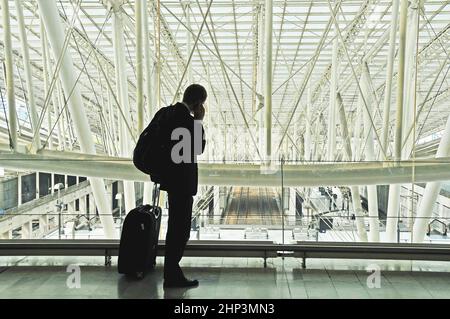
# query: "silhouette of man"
x,y
180,177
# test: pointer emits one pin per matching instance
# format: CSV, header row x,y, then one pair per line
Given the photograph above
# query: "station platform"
x,y
224,278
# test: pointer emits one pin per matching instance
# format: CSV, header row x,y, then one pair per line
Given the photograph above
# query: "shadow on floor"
x,y
150,287
131,287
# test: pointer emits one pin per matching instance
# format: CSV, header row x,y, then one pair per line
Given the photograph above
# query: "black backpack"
x,y
150,153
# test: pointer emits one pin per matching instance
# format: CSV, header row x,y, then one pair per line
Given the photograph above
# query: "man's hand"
x,y
199,113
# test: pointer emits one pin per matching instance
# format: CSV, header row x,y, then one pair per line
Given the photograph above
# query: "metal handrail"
x,y
261,249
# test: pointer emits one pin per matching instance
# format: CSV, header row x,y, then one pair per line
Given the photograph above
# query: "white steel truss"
x,y
305,81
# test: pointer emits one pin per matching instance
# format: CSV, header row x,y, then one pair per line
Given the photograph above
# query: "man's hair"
x,y
195,93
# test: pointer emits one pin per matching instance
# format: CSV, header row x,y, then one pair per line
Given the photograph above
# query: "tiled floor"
x,y
41,277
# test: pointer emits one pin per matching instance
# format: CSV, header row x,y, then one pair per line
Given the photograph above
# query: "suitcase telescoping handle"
x,y
156,192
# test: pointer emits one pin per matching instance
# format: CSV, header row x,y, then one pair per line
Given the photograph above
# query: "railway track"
x,y
253,206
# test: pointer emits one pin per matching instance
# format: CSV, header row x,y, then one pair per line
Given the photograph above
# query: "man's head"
x,y
194,96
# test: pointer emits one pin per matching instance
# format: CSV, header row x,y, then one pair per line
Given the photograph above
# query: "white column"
x,y
314,151
55,31
19,189
11,98
393,212
260,80
374,234
71,208
37,185
157,74
92,205
331,136
57,107
28,75
148,63
122,82
58,101
143,34
235,143
268,78
356,142
82,204
356,197
148,193
425,209
27,230
389,72
284,151
208,114
157,87
56,95
109,192
112,119
46,71
104,106
188,40
308,125
139,66
52,182
394,189
410,208
43,224
409,88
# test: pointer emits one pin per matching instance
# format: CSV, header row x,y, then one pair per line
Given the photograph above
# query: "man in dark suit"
x,y
180,178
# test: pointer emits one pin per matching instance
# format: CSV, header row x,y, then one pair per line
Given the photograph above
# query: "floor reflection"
x,y
145,288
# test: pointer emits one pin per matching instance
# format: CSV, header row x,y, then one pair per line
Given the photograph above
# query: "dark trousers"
x,y
178,231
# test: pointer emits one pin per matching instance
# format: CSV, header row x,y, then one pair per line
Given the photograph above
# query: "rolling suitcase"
x,y
139,238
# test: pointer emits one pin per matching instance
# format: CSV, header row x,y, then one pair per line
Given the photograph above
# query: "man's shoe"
x,y
180,283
